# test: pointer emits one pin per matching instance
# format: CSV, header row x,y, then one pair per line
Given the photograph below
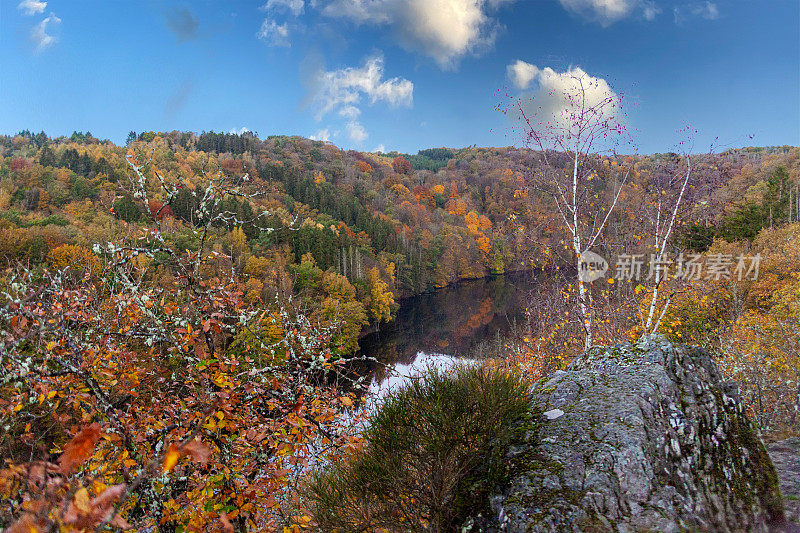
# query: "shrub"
x,y
432,453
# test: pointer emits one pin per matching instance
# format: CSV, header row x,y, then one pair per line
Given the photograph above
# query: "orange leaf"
x,y
345,400
79,448
171,458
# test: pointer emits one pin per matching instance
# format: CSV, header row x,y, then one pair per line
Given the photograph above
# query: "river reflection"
x,y
464,320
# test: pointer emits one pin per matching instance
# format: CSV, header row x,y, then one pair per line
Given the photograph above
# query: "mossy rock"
x,y
646,437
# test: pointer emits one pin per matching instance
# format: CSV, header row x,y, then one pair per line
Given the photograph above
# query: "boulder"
x,y
642,437
785,455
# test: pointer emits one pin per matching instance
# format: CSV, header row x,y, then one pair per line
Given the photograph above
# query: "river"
x,y
466,320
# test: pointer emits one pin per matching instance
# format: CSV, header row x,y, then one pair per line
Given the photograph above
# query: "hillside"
x,y
201,296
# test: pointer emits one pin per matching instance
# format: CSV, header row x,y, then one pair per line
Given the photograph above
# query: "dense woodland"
x,y
180,314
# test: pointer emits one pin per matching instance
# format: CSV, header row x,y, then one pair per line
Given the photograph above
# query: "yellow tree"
x,y
381,300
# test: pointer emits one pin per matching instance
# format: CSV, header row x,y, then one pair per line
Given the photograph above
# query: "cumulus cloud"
x,y
239,131
380,149
39,36
607,12
356,132
321,135
32,7
558,98
273,33
343,89
521,74
295,6
444,30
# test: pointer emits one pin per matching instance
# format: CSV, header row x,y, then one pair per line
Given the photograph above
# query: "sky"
x,y
382,75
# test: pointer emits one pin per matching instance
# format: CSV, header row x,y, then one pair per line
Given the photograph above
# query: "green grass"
x,y
433,452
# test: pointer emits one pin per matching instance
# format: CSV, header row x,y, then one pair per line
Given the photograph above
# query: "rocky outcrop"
x,y
785,455
643,437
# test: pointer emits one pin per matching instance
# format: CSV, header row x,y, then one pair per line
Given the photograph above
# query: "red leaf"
x,y
226,524
27,524
198,451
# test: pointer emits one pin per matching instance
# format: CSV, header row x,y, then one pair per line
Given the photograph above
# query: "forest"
x,y
181,315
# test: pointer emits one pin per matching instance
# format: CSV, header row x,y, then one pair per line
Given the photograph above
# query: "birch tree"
x,y
577,119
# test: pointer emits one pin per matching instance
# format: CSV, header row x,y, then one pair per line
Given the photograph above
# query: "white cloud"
x,y
650,10
239,131
41,39
349,111
344,91
356,132
559,97
444,30
521,74
607,12
344,88
295,6
321,135
706,10
273,33
380,148
32,7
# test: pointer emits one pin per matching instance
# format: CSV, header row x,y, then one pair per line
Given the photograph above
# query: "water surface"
x,y
466,320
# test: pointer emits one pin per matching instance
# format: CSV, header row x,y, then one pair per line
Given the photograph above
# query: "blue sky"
x,y
396,74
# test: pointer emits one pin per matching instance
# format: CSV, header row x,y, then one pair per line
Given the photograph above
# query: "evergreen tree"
x,y
125,209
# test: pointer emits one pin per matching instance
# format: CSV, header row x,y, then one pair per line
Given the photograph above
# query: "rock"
x,y
651,439
552,414
785,456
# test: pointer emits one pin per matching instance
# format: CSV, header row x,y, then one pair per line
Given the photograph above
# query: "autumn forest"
x,y
181,315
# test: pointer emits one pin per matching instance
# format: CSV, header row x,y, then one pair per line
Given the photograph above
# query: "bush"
x,y
432,453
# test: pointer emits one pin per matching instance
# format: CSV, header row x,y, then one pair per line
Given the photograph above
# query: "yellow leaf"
x,y
82,500
345,400
41,399
171,458
18,407
98,486
51,394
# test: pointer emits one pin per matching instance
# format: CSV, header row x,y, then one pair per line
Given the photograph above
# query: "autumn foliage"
x,y
124,406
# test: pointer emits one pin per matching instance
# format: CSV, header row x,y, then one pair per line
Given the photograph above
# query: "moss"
x,y
757,484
